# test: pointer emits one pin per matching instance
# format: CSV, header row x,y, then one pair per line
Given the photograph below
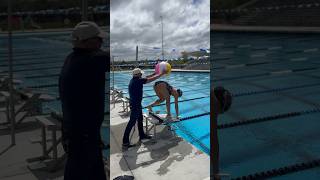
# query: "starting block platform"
x,y
156,119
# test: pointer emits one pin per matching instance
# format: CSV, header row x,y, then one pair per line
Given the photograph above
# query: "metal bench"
x,y
50,123
116,95
125,104
30,105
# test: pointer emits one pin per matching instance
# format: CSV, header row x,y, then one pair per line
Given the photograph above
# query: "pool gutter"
x,y
191,71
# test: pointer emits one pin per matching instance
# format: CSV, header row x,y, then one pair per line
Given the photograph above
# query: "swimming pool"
x,y
37,60
272,127
194,105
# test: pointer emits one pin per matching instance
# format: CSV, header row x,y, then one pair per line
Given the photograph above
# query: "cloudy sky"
x,y
186,25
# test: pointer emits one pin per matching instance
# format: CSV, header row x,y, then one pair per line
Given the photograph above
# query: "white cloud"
x,y
138,22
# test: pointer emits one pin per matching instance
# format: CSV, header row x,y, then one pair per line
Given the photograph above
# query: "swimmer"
x,y
223,99
164,90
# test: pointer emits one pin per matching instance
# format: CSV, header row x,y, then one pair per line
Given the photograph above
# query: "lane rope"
x,y
267,118
281,171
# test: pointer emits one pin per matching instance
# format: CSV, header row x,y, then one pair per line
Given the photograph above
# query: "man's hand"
x,y
163,73
150,75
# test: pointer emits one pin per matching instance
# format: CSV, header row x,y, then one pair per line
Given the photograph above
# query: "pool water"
x,y
272,76
195,101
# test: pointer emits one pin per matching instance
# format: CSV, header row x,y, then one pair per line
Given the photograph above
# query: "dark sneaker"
x,y
127,146
145,137
125,177
161,121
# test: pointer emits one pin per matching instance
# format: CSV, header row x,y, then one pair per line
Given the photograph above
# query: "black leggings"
x,y
135,116
84,161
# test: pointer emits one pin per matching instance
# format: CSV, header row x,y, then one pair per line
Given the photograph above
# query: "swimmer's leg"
x,y
157,90
157,102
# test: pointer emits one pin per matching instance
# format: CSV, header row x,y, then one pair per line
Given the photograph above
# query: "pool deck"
x,y
168,157
279,29
14,159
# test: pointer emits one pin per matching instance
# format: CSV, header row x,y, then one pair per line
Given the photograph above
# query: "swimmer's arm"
x,y
216,104
176,106
168,106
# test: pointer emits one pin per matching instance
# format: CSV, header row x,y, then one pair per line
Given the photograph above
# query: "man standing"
x,y
136,94
82,94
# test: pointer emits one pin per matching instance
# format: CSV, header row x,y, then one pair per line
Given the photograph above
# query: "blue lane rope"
x,y
188,118
267,118
183,92
42,76
54,61
44,86
266,74
35,69
274,90
162,104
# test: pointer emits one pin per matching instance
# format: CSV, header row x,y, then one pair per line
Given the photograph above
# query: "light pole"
x,y
162,38
137,64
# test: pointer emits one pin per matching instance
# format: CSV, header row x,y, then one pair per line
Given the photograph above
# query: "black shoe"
x,y
125,177
145,137
127,146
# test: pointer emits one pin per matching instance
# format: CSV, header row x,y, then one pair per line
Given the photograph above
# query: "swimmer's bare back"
x,y
161,90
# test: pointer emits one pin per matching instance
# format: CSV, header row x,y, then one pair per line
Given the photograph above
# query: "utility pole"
x,y
11,103
162,38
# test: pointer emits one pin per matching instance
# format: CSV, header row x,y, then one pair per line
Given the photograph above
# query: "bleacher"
x,y
304,13
198,65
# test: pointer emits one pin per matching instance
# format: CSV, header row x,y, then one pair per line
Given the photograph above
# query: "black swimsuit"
x,y
169,88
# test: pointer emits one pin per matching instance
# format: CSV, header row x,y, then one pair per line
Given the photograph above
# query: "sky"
x,y
186,27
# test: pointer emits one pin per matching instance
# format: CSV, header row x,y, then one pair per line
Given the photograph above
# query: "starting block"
x,y
156,119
